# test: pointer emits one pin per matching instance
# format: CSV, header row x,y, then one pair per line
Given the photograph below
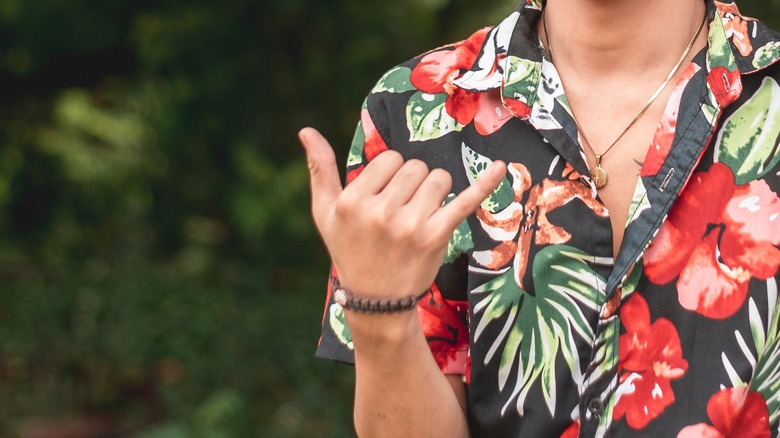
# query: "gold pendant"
x,y
598,174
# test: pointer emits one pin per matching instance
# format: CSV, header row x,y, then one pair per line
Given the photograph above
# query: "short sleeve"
x,y
444,321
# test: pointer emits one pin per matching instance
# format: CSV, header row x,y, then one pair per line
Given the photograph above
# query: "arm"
x,y
399,389
387,233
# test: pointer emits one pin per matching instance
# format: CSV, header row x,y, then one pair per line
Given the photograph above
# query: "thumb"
x,y
323,171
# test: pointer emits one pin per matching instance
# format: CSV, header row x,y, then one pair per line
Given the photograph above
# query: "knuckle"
x,y
404,230
314,167
389,158
462,207
440,180
432,239
415,166
346,203
379,217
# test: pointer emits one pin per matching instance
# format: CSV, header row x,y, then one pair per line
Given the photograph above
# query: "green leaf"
x,y
639,202
475,164
767,55
500,198
522,78
710,113
355,156
534,329
766,374
427,118
632,280
757,327
550,344
719,53
338,323
748,143
396,80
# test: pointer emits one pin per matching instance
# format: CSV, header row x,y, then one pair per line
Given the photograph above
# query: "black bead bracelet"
x,y
350,301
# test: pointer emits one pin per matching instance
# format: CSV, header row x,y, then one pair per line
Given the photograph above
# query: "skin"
x,y
609,76
390,218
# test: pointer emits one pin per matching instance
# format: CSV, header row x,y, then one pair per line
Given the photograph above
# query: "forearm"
x,y
399,389
387,233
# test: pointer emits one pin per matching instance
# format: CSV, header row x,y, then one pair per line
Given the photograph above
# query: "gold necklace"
x,y
598,174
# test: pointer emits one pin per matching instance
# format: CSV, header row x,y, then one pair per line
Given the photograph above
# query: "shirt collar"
x,y
512,56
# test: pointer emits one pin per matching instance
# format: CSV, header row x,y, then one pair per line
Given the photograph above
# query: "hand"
x,y
387,231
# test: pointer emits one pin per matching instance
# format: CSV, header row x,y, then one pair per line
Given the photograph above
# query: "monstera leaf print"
x,y
766,374
535,323
338,321
538,327
767,54
427,117
461,240
475,164
396,80
748,142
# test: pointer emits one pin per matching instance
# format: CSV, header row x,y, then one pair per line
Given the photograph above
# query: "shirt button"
x,y
596,407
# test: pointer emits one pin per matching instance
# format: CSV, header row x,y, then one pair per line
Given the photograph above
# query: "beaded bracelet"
x,y
350,301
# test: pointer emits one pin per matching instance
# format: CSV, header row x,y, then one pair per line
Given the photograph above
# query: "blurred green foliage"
x,y
159,273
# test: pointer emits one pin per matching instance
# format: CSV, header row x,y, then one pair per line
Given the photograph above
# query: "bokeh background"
x,y
160,276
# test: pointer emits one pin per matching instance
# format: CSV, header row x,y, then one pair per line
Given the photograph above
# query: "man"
x,y
617,276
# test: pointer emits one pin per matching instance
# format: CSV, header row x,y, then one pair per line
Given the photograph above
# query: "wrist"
x,y
382,335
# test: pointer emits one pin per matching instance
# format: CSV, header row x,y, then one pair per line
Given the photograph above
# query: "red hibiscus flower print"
x,y
444,323
725,84
650,358
372,146
664,135
436,73
573,431
733,412
715,240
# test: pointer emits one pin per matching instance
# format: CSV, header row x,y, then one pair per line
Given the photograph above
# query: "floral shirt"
x,y
676,336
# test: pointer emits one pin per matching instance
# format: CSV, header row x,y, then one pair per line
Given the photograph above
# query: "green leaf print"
x,y
355,155
767,54
461,241
397,80
766,338
522,77
631,281
766,376
719,53
537,327
427,117
748,142
475,164
639,202
338,322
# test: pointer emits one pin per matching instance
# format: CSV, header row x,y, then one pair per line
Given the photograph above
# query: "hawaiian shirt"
x,y
676,336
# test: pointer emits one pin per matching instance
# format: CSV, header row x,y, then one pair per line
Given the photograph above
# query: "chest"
x,y
616,135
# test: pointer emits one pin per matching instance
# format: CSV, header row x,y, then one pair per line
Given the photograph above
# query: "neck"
x,y
621,37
